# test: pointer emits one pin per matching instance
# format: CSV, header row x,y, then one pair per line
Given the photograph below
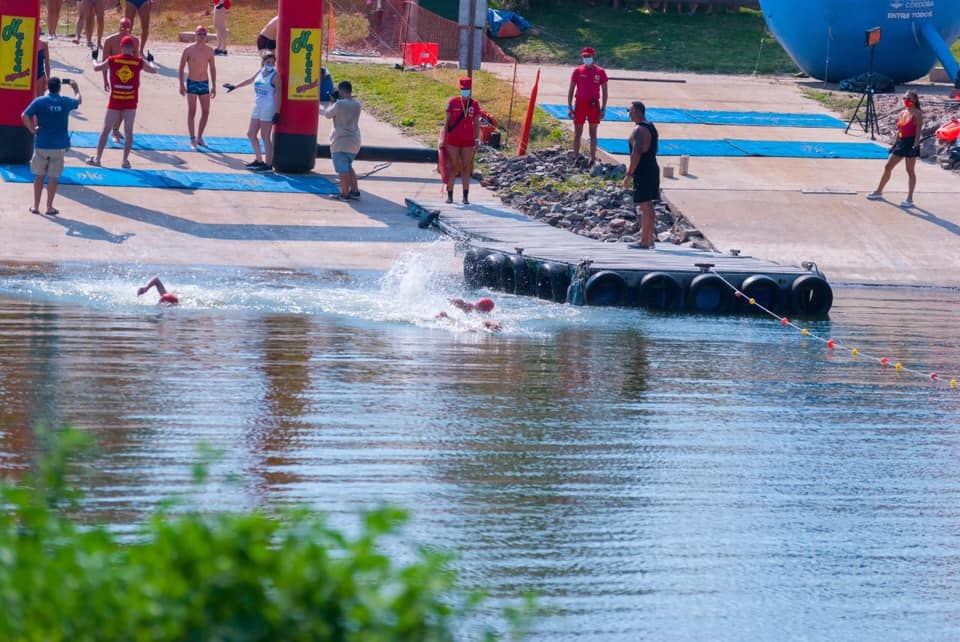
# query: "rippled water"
x,y
651,477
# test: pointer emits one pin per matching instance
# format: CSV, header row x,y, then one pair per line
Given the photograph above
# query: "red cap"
x,y
125,22
169,298
128,41
587,51
465,83
200,30
484,304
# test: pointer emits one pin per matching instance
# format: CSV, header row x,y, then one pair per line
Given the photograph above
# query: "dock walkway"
x,y
510,252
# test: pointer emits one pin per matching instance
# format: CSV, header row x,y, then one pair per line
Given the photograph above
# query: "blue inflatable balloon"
x,y
826,38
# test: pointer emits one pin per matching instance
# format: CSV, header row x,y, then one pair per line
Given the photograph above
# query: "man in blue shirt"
x,y
46,118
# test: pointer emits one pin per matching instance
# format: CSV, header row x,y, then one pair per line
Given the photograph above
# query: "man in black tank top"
x,y
643,171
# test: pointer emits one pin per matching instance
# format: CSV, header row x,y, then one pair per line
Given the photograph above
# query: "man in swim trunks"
x,y
124,71
167,298
111,47
140,8
267,38
199,61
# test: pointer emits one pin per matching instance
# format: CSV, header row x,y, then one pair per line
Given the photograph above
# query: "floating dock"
x,y
509,252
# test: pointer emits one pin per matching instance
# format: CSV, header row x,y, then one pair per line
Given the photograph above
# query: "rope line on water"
x,y
831,343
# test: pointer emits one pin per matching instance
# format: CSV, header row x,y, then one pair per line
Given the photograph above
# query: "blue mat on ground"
x,y
676,147
803,149
768,148
246,182
708,117
166,143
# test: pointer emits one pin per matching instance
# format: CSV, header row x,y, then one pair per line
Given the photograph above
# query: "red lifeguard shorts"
x,y
586,111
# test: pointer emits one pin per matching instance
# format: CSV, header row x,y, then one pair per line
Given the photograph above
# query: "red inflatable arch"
x,y
19,33
298,63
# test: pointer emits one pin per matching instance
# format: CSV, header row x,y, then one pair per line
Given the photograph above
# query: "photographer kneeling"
x,y
345,138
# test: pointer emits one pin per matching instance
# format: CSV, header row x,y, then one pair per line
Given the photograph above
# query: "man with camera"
x,y
46,118
589,83
345,138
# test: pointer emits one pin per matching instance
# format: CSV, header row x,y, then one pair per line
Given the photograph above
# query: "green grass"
x,y
841,102
718,43
416,101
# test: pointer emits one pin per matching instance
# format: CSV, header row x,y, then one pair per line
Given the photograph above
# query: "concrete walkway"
x,y
205,227
791,210
786,210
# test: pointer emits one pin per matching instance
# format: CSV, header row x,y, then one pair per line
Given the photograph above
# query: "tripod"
x,y
869,120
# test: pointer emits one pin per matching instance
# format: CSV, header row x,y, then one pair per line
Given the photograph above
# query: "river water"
x,y
650,477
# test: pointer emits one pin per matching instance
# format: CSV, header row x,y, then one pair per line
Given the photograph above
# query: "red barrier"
x,y
298,63
19,32
416,54
528,121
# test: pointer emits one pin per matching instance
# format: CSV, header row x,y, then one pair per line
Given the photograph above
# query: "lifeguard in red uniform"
x,y
589,83
123,71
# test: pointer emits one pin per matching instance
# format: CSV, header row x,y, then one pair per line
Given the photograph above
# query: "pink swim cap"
x,y
484,304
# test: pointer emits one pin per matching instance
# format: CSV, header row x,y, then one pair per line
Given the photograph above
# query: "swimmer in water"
x,y
167,298
483,305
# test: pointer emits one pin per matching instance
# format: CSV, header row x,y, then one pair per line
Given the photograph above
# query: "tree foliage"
x,y
214,578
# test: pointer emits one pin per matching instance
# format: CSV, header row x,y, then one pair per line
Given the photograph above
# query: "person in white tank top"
x,y
266,110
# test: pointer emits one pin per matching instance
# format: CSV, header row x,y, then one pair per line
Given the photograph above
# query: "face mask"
x,y
465,93
267,68
907,102
588,61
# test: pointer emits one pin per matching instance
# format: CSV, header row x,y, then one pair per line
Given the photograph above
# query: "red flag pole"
x,y
528,121
331,33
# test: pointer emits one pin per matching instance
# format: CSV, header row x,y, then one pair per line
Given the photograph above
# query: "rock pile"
x,y
547,185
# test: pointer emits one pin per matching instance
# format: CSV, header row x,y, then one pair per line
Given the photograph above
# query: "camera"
x,y
335,95
66,81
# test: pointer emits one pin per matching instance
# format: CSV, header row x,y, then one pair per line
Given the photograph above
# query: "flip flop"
x,y
34,210
93,161
52,212
125,164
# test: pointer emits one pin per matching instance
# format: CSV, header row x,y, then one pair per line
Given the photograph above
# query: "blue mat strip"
x,y
251,182
708,117
166,143
676,147
767,148
804,149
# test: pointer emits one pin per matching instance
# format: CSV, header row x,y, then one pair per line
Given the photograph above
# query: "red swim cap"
x,y
169,298
128,41
484,304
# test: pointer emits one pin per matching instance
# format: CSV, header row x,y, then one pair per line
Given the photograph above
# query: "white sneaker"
x,y
874,196
906,203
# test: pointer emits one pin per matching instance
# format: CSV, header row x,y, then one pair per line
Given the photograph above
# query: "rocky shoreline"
x,y
547,186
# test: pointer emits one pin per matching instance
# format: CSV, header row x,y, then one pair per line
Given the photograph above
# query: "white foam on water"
x,y
417,287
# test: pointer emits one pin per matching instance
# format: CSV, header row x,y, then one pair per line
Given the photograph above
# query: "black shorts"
x,y
646,185
265,43
905,147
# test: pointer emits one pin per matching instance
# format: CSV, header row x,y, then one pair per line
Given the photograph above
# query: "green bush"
x,y
214,578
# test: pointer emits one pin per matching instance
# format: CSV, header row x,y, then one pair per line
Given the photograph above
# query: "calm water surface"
x,y
650,477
